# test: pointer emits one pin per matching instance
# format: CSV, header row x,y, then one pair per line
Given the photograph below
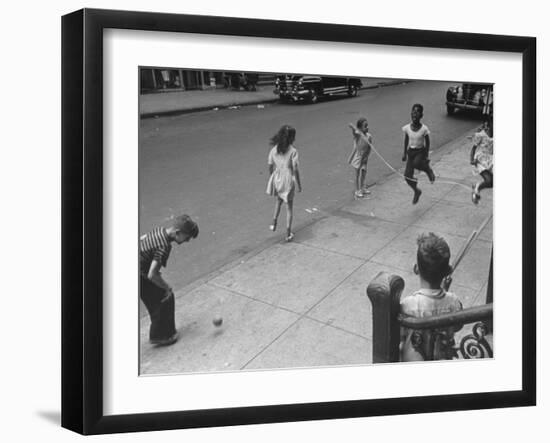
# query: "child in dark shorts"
x,y
156,294
416,150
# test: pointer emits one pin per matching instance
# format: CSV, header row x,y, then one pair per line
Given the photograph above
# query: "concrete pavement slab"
x,y
291,276
468,296
309,343
463,196
248,327
454,218
431,191
481,297
385,204
348,307
401,252
167,103
350,234
472,272
487,232
449,167
463,193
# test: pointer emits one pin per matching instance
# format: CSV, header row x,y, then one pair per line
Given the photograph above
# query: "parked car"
x,y
477,97
295,88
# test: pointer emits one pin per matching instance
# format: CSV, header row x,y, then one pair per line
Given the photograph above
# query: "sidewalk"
x,y
181,102
304,303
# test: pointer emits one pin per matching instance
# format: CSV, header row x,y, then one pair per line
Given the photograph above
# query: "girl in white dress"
x,y
284,176
481,158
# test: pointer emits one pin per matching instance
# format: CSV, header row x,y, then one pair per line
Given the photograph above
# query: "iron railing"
x,y
429,333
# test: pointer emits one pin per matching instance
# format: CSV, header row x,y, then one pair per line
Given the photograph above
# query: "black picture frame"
x,y
82,218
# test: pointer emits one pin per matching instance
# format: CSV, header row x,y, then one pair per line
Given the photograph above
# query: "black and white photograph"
x,y
299,220
275,221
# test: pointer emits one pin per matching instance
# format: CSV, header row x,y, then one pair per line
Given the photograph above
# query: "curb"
x,y
174,112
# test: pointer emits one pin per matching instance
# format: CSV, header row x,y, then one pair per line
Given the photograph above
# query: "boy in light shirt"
x,y
432,266
416,145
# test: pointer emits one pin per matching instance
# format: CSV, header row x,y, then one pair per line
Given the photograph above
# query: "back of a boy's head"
x,y
184,224
433,257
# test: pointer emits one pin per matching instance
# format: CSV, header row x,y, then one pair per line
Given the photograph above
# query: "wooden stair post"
x,y
384,292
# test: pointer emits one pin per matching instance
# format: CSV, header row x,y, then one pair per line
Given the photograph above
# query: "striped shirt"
x,y
153,246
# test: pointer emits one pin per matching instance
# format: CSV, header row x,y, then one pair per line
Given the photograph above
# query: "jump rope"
x,y
415,179
473,236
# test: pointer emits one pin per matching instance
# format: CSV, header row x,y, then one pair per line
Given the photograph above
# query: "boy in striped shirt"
x,y
156,294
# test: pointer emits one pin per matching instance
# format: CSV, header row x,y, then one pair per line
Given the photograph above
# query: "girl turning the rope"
x,y
362,144
416,147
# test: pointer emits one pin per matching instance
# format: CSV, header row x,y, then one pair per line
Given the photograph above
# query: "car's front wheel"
x,y
314,98
352,91
450,110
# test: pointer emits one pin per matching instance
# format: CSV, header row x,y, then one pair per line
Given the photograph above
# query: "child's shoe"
x,y
166,341
273,226
417,193
365,191
289,237
431,175
475,195
358,194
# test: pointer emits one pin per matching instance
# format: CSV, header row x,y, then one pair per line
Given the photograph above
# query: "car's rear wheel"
x,y
352,91
450,110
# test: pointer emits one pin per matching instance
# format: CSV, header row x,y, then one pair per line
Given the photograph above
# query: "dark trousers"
x,y
416,159
160,308
487,180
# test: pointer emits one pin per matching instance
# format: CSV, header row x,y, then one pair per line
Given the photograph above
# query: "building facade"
x,y
172,79
159,79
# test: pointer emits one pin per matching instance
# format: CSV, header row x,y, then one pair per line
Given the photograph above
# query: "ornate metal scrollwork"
x,y
417,341
434,345
475,345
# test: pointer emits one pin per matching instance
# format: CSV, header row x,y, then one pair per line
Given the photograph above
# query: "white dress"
x,y
484,152
361,150
282,181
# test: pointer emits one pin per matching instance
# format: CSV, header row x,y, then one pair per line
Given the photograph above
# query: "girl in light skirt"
x,y
284,176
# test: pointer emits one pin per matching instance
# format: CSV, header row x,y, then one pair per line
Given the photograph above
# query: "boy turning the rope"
x,y
416,146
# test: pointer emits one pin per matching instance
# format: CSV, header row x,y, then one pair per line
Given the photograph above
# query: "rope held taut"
x,y
465,247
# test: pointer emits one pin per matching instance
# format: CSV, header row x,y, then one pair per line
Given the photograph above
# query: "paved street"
x,y
212,165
